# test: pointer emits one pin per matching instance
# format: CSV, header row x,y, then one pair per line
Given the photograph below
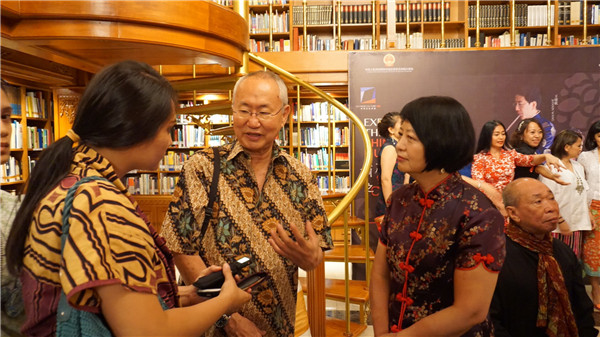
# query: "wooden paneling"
x,y
155,207
91,34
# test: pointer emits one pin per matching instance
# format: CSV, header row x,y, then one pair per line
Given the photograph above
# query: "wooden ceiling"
x,y
87,35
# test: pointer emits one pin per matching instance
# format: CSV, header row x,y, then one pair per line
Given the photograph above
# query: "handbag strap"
x,y
213,189
69,204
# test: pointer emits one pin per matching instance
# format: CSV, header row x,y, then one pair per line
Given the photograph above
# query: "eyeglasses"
x,y
260,115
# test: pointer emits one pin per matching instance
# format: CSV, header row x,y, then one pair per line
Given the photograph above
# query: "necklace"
x,y
579,187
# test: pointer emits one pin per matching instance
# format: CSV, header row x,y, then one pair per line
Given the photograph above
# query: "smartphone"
x,y
244,284
216,279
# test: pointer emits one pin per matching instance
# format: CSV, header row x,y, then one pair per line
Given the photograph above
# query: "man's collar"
x,y
237,148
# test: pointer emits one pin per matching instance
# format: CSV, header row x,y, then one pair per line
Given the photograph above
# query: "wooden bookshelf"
x,y
32,131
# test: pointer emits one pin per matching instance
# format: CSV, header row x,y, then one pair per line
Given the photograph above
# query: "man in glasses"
x,y
268,207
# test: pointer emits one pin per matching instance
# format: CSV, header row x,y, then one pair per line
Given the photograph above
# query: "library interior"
x,y
345,64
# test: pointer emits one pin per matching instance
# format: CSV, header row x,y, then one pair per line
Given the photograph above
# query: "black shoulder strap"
x,y
213,189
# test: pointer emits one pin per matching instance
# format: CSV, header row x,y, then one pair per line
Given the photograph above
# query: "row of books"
x,y
494,15
148,184
340,184
315,161
593,15
261,23
432,12
173,161
571,13
266,2
189,135
38,138
142,184
318,136
264,46
572,40
226,3
315,15
318,112
11,171
363,13
437,43
35,104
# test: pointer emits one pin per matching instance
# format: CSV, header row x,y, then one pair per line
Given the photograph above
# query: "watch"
x,y
222,322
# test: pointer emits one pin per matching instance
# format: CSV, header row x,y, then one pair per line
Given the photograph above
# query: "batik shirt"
x,y
109,242
243,217
498,171
427,236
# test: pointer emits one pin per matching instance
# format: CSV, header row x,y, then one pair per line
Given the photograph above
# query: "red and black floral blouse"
x,y
430,235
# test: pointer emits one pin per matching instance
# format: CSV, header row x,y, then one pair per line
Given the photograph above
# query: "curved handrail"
x,y
364,172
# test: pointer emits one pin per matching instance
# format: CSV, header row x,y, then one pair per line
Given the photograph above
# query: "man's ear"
x,y
513,213
285,114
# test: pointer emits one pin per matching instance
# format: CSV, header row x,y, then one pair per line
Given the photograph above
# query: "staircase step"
x,y
353,221
337,327
336,290
356,253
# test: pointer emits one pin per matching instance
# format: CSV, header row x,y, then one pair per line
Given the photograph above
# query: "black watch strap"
x,y
222,322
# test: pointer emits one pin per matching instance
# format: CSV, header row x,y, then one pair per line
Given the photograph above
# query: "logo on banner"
x,y
367,95
389,60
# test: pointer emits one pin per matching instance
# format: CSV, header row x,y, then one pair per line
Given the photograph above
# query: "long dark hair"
x,y
517,139
445,129
590,143
485,136
389,120
123,105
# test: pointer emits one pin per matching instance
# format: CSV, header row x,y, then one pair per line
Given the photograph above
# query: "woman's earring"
x,y
443,171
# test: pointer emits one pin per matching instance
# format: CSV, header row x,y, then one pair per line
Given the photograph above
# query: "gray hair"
x,y
265,74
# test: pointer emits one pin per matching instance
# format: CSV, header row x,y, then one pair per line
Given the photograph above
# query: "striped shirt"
x,y
109,242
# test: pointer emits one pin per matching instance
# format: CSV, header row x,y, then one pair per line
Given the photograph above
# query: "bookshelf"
x,y
535,25
418,24
269,27
32,131
320,138
189,135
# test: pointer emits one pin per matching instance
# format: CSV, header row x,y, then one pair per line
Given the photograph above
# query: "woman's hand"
x,y
188,294
553,161
231,293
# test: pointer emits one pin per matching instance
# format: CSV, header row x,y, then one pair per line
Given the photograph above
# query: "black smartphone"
x,y
216,279
244,284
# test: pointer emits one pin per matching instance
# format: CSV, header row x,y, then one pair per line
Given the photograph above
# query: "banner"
x,y
565,80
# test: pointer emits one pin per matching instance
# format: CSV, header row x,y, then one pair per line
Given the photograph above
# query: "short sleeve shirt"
x,y
427,236
243,217
109,242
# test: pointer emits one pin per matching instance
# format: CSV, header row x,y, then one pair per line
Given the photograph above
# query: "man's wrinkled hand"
x,y
306,253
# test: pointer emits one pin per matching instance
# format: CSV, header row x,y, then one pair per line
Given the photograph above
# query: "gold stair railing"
x,y
316,278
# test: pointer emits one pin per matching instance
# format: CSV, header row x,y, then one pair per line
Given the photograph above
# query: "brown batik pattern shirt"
x,y
243,217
